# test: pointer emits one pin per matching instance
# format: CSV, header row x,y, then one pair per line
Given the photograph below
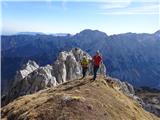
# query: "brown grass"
x,y
76,100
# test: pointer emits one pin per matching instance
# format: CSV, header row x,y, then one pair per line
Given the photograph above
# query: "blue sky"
x,y
72,16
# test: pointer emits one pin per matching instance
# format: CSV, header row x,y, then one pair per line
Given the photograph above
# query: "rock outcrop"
x,y
77,99
122,86
26,69
39,79
151,99
33,78
67,66
153,108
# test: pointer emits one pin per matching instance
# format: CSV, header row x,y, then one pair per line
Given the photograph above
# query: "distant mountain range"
x,y
40,33
130,57
30,33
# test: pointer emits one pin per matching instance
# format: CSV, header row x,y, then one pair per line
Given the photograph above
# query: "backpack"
x,y
84,62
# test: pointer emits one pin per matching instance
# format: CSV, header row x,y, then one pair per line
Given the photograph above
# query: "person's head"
x,y
97,52
84,54
84,58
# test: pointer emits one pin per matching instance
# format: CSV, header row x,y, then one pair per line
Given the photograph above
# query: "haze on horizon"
x,y
68,16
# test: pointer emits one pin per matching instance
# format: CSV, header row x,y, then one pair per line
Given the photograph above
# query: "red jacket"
x,y
97,59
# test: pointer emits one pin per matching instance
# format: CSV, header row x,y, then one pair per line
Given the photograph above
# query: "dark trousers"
x,y
95,69
84,71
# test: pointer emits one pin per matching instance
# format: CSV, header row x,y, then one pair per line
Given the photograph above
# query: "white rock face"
x,y
68,67
72,67
26,69
39,79
78,54
59,71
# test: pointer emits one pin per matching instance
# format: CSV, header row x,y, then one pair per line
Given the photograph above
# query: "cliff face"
x,y
103,99
32,78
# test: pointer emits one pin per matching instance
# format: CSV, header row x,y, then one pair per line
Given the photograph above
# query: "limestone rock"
x,y
26,69
39,79
68,67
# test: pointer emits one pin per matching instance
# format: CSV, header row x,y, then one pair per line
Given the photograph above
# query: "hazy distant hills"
x,y
130,56
40,33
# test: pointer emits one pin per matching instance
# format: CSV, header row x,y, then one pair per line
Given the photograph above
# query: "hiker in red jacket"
x,y
97,60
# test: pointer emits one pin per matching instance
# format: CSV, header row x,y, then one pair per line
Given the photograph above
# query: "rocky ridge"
x,y
33,78
83,99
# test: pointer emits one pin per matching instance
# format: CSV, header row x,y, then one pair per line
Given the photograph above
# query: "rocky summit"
x,y
80,99
32,77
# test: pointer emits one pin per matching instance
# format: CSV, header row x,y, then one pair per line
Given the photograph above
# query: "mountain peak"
x,y
157,33
93,32
78,99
